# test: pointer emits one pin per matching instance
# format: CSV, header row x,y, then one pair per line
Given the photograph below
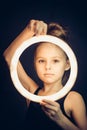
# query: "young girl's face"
x,y
50,63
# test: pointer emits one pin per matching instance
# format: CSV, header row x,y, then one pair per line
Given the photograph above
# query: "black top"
x,y
37,120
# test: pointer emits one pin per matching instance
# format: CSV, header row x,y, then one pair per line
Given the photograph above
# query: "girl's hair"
x,y
57,30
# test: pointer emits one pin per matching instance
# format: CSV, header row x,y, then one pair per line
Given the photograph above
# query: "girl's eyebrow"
x,y
51,57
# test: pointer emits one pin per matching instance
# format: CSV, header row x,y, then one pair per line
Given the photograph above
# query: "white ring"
x,y
67,50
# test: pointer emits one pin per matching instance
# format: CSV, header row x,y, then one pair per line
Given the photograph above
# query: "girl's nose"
x,y
48,66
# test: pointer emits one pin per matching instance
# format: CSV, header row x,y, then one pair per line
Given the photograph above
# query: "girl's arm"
x,y
75,107
24,35
78,110
35,27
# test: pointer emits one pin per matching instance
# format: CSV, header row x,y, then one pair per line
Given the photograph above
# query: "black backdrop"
x,y
14,16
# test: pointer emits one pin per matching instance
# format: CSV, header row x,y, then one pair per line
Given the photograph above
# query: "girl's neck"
x,y
49,89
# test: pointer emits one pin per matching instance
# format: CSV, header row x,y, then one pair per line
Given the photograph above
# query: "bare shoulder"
x,y
73,94
74,97
73,101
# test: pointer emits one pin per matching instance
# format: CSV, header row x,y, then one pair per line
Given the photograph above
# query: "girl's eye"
x,y
41,61
56,61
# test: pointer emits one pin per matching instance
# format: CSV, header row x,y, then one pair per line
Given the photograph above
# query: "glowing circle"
x,y
67,50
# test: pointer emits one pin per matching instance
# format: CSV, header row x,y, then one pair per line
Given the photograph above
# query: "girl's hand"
x,y
52,110
37,27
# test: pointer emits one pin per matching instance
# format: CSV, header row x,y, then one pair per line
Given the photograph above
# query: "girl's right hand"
x,y
37,27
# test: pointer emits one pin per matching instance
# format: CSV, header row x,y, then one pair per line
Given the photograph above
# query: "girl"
x,y
51,63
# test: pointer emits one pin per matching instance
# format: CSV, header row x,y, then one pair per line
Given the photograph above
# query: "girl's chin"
x,y
49,82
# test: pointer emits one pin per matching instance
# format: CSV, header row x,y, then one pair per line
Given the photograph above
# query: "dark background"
x,y
14,16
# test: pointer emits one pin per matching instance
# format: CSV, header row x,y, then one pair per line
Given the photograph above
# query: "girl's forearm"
x,y
24,35
66,124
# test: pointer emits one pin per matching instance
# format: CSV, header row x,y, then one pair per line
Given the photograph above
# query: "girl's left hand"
x,y
52,110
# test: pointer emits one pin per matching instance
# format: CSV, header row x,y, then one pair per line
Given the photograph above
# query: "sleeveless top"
x,y
37,120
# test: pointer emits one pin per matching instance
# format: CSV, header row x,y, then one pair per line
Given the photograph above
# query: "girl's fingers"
x,y
44,27
45,101
38,27
48,111
51,105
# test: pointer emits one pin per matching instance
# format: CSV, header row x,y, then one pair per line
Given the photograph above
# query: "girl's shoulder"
x,y
73,97
73,94
72,101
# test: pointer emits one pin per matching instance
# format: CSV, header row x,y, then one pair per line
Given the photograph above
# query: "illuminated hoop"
x,y
73,71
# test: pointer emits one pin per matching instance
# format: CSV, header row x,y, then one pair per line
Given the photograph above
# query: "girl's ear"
x,y
67,65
